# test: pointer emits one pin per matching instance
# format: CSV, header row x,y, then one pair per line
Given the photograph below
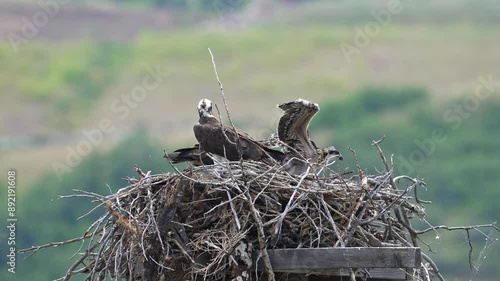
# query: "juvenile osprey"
x,y
225,141
194,155
300,150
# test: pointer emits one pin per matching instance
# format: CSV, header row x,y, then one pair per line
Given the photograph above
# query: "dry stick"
x,y
287,208
421,183
238,148
261,236
260,228
470,251
225,135
151,209
388,207
352,276
139,171
105,240
450,228
235,214
352,224
54,244
358,222
220,85
125,222
466,229
393,184
384,160
426,273
78,262
360,173
304,212
433,265
332,222
424,256
93,209
231,199
97,229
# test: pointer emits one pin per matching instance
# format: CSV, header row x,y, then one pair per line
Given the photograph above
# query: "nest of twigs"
x,y
217,222
209,222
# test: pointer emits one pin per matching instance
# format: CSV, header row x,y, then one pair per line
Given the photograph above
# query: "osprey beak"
x,y
332,152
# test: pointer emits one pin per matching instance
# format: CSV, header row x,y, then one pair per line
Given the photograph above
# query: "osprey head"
x,y
205,108
331,153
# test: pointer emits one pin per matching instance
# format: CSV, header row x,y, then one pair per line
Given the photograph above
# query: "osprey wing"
x,y
293,125
194,154
227,141
222,140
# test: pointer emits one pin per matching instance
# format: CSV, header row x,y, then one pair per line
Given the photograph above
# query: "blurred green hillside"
x,y
414,82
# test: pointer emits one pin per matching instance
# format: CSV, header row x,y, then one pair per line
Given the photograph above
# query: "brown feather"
x,y
293,132
194,155
219,139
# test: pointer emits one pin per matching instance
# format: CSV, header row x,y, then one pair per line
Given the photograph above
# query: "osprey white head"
x,y
205,108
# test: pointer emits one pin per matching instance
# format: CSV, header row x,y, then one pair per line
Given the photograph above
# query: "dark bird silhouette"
x,y
230,143
194,155
300,151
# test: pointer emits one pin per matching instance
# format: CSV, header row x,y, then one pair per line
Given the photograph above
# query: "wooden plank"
x,y
325,260
375,273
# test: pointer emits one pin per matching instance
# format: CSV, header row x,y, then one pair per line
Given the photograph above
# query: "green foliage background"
x,y
44,217
462,172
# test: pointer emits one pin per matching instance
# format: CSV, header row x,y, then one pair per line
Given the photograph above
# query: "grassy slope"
x,y
261,66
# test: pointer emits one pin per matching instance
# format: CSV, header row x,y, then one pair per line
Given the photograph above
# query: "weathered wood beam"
x,y
331,260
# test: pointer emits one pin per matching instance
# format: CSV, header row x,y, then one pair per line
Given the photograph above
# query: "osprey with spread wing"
x,y
300,151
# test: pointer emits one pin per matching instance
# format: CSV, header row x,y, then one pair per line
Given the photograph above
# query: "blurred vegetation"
x,y
191,5
77,71
278,59
43,218
70,78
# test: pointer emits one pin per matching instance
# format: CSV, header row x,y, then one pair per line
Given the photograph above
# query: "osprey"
x,y
300,150
228,142
194,155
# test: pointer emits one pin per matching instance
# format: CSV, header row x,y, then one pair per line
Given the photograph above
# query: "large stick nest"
x,y
205,222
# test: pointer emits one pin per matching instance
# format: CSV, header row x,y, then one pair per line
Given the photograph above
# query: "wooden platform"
x,y
387,263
